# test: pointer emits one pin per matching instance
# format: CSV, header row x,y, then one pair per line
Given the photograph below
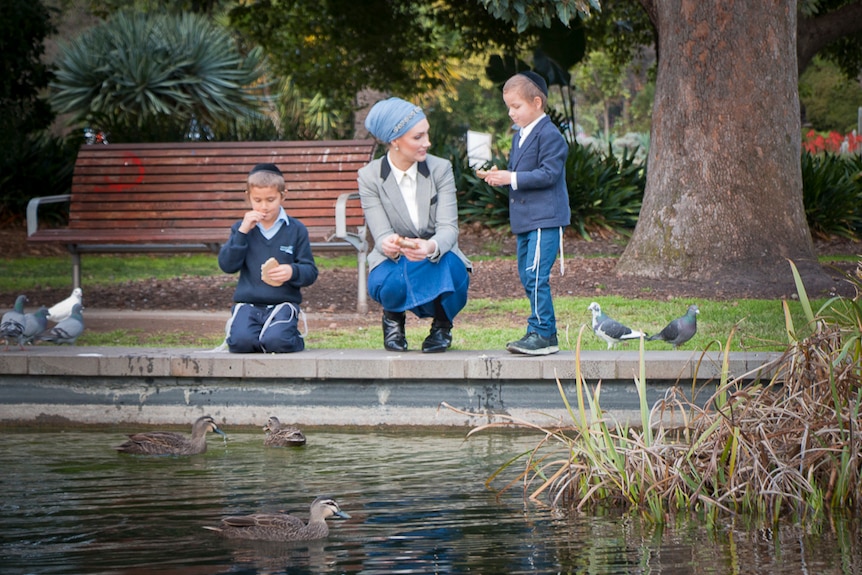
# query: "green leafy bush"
x,y
832,194
149,77
41,165
478,202
604,192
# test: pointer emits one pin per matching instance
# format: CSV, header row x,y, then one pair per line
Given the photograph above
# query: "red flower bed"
x,y
834,143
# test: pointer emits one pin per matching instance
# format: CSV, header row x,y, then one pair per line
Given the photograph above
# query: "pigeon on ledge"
x,y
609,329
34,324
12,323
63,309
68,330
681,329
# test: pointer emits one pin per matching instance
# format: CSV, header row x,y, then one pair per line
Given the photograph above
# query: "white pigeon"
x,y
609,329
63,309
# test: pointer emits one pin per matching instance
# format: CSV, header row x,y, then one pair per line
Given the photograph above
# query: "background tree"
x,y
26,152
340,48
829,99
24,25
602,83
156,77
724,193
106,8
833,29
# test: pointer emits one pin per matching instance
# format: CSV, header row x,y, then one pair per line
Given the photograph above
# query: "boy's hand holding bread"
x,y
267,267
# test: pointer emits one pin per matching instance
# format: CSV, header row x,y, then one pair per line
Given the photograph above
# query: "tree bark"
x,y
723,198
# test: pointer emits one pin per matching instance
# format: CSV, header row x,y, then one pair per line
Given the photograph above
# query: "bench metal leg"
x,y
76,266
361,284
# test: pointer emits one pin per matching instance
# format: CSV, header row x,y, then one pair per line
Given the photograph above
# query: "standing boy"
x,y
538,204
273,256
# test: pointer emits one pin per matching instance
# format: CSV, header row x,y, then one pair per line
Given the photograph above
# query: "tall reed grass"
x,y
786,446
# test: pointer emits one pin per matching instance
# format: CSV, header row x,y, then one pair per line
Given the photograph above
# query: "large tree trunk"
x,y
724,189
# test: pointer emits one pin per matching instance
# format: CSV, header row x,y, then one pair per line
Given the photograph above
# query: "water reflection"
x,y
417,501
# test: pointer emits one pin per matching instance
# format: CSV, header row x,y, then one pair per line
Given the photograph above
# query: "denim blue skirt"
x,y
413,286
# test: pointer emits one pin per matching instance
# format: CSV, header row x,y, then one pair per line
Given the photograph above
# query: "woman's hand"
x,y
414,249
389,246
423,249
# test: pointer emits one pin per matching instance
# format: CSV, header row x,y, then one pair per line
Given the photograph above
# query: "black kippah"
x,y
537,80
265,168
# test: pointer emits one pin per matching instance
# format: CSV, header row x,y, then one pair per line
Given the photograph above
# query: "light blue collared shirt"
x,y
281,220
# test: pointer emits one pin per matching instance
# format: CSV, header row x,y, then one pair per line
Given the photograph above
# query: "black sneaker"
x,y
534,344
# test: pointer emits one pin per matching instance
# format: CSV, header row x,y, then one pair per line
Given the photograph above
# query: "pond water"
x,y
418,501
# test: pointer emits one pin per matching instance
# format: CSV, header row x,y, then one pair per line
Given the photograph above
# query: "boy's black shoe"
x,y
534,344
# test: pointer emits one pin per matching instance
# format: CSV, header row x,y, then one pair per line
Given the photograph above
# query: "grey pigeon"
x,y
34,324
609,329
12,323
68,330
63,309
681,329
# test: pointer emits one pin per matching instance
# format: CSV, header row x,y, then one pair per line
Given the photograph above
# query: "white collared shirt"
x,y
525,131
407,183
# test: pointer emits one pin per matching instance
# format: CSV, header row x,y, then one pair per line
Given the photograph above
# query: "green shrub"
x,y
832,194
39,166
144,77
478,202
604,192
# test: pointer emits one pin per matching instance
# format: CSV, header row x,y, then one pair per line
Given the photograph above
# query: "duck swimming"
x,y
171,443
280,526
282,436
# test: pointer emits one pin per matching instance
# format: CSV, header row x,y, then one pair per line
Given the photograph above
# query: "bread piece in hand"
x,y
268,266
482,173
407,243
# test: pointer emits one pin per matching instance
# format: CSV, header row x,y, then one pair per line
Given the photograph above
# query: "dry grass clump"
x,y
789,446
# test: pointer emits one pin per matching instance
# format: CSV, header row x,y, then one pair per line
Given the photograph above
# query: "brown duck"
x,y
171,443
282,527
278,435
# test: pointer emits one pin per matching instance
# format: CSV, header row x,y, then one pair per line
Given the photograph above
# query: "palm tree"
x,y
150,77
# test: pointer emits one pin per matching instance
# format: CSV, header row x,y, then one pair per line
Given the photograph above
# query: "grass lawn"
x,y
758,325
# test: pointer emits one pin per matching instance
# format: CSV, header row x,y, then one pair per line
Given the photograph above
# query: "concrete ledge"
x,y
109,385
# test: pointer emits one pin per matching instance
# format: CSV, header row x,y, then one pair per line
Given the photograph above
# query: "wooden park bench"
x,y
184,197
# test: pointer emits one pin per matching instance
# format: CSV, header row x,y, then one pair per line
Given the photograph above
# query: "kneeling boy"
x,y
273,256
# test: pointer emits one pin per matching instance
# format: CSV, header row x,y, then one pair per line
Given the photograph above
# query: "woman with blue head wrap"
x,y
408,197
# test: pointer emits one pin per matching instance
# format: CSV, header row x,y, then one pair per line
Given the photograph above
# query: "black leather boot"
x,y
440,338
394,338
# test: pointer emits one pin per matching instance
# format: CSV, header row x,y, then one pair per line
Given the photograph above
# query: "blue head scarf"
x,y
390,119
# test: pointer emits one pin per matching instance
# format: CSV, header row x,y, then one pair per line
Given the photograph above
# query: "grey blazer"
x,y
386,213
